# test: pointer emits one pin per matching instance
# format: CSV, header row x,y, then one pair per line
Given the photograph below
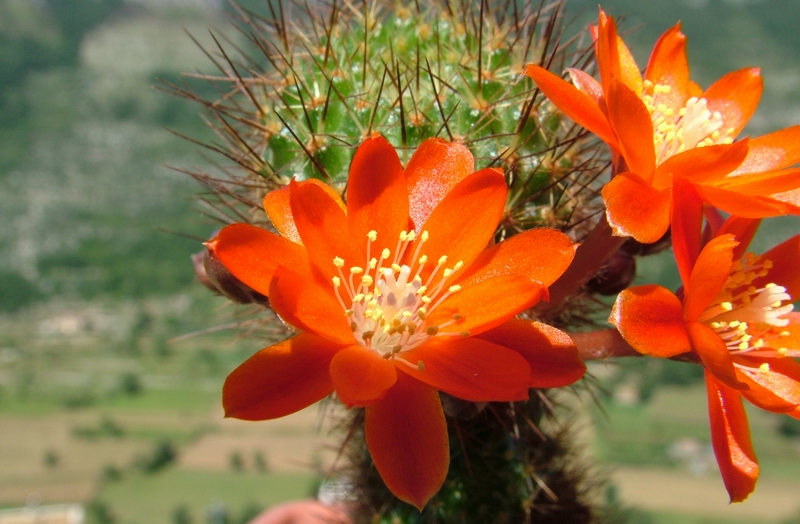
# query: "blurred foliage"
x,y
789,427
47,33
162,455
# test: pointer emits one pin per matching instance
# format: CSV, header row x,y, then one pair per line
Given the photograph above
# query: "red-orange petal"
x,y
633,126
279,211
377,199
581,108
614,59
307,304
736,96
761,184
712,269
252,254
550,353
775,150
744,229
406,434
702,165
360,376
280,379
540,254
730,437
791,335
784,270
435,168
776,387
669,66
650,319
322,226
714,354
687,221
469,368
587,85
486,304
742,205
635,209
464,222
629,72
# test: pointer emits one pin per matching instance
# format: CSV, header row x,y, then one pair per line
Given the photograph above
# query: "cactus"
x,y
302,91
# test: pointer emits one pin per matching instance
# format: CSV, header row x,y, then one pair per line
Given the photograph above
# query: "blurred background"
x,y
112,356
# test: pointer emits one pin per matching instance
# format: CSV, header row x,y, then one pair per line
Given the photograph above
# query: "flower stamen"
x,y
691,126
390,306
746,317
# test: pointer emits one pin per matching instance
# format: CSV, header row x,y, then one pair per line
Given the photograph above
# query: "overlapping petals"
x,y
734,318
661,127
396,295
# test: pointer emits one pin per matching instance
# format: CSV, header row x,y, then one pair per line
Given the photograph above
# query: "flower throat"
x,y
389,302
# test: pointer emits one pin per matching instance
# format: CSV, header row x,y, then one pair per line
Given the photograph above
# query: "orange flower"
x,y
664,126
735,318
396,295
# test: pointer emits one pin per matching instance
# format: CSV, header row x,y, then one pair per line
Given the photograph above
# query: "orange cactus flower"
x,y
735,319
396,295
663,126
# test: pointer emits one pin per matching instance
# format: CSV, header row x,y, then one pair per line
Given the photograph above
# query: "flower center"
x,y
388,304
747,318
691,126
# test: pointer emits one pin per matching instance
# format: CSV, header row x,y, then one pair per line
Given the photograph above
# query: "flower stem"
x,y
590,256
602,344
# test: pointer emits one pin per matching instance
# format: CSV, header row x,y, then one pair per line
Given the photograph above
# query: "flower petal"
x,y
775,150
469,368
485,304
551,354
784,271
714,354
252,254
464,222
650,319
730,436
744,229
634,208
702,165
587,85
669,66
279,211
745,206
687,222
581,108
305,303
540,254
406,435
361,376
760,184
710,272
377,199
634,129
774,387
280,379
736,97
322,226
790,338
614,59
435,168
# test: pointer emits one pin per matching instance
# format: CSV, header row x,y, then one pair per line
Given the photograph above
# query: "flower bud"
x,y
616,274
213,274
